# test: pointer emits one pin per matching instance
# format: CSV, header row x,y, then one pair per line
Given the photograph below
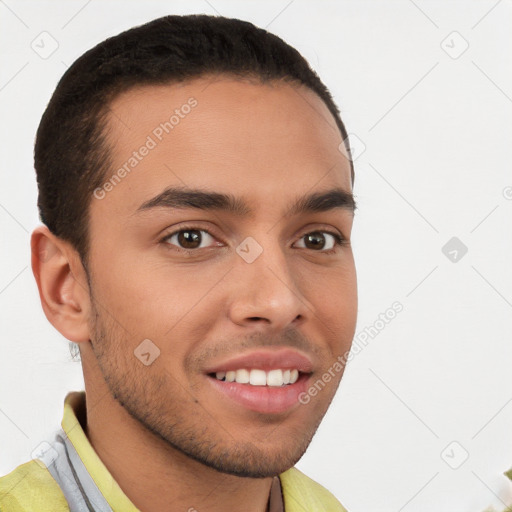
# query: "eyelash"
x,y
339,241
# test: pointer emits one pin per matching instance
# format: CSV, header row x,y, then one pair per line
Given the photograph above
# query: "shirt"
x,y
68,476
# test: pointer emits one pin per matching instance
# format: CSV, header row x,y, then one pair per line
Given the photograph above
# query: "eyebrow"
x,y
181,198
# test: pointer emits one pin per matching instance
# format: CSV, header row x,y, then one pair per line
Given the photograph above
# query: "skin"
x,y
166,436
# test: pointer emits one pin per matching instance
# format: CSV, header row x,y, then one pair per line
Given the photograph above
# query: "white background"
x,y
438,150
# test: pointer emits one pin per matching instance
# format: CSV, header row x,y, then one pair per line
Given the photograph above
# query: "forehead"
x,y
222,134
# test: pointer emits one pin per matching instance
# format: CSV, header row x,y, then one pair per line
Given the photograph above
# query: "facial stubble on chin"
x,y
186,424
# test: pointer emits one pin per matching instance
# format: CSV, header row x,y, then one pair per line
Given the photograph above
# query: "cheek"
x,y
336,317
162,302
335,304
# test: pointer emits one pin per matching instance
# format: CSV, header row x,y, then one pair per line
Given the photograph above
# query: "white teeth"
x,y
242,376
256,377
275,378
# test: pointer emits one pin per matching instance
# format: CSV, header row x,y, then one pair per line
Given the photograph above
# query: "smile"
x,y
258,377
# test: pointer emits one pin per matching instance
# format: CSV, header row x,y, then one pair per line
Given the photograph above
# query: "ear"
x,y
62,284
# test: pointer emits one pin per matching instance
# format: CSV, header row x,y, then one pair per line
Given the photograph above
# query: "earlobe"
x,y
61,282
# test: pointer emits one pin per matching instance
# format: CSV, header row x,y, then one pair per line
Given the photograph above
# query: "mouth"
x,y
257,377
264,382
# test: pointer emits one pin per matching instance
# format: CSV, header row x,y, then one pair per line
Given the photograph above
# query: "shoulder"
x,y
31,487
301,493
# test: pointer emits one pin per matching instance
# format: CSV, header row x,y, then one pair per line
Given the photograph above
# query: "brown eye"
x,y
314,240
188,238
318,241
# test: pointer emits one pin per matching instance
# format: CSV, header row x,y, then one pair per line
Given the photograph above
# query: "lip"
x,y
262,399
265,360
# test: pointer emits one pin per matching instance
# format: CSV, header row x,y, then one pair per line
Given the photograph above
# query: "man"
x,y
196,192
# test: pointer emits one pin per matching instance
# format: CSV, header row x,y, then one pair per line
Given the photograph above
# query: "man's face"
x,y
210,300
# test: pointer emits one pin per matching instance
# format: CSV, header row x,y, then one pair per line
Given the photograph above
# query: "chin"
x,y
260,469
249,461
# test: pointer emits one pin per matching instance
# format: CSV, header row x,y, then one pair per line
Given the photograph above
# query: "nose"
x,y
266,292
